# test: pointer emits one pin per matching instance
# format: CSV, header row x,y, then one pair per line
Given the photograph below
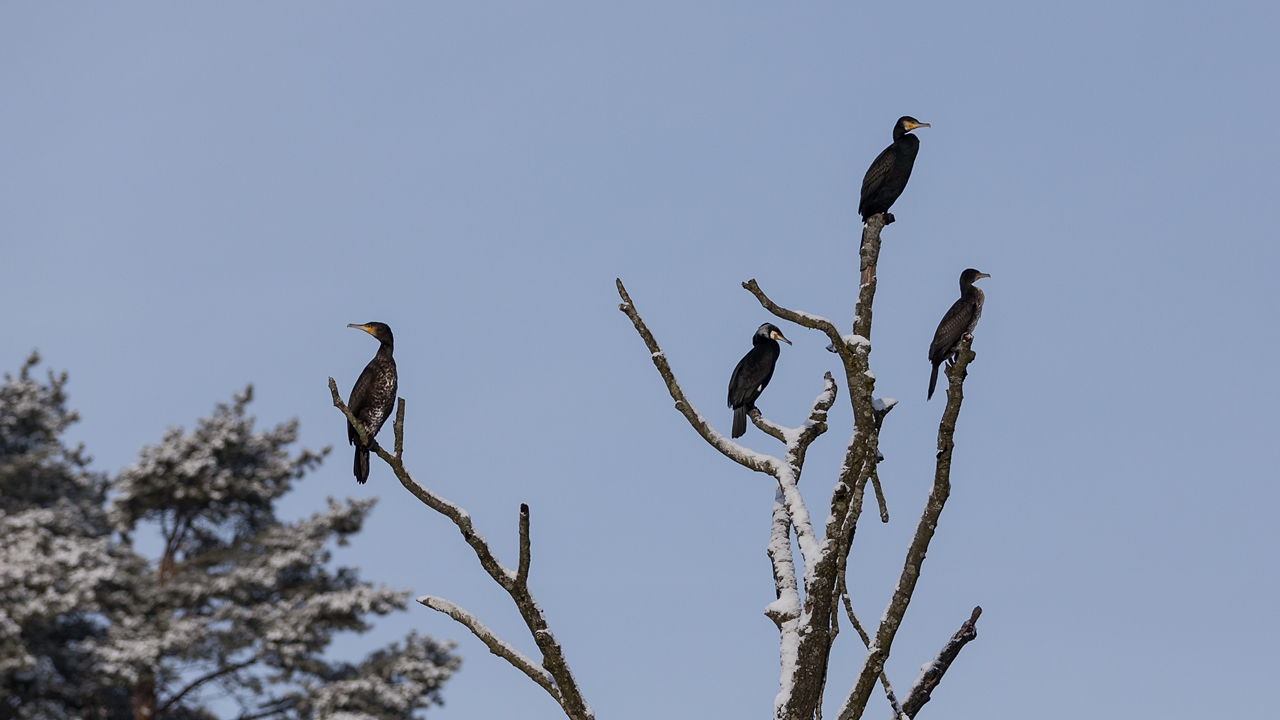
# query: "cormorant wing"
x,y
752,373
876,174
359,399
952,327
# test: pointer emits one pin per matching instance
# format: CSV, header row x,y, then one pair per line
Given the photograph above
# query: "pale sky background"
x,y
196,197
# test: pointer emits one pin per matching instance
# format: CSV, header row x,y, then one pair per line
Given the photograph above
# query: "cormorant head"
x,y
906,124
769,331
382,331
969,276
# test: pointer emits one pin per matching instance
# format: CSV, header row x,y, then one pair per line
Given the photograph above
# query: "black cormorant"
x,y
887,177
959,321
373,396
753,373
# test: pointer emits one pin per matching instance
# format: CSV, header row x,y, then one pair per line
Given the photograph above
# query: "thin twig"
x,y
866,642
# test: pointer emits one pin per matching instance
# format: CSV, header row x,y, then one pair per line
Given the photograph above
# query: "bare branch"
x,y
875,484
931,674
460,517
866,641
496,645
568,695
856,702
522,572
398,428
869,255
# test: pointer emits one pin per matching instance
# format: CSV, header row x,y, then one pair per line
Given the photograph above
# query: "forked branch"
x,y
872,666
554,675
784,471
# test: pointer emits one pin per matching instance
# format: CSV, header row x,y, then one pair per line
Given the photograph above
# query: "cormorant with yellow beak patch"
x,y
373,396
887,177
753,373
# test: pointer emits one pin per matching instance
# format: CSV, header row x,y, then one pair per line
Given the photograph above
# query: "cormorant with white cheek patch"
x,y
753,373
888,175
373,396
959,321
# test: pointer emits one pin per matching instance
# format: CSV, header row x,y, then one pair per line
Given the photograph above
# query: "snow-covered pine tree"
x,y
240,605
55,551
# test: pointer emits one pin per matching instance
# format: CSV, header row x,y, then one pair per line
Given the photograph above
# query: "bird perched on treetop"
x,y
753,373
959,321
887,177
373,395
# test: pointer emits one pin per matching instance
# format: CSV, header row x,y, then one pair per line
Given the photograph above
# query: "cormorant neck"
x,y
760,340
898,132
386,348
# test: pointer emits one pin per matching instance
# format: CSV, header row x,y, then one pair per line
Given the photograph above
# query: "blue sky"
x,y
196,198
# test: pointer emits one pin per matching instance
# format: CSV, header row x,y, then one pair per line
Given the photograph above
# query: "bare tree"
x,y
809,603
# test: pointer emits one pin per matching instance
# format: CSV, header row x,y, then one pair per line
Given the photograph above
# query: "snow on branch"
x,y
496,645
932,672
873,665
745,457
562,686
786,474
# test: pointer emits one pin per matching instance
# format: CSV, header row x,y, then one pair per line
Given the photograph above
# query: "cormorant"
x,y
887,177
753,373
373,395
959,321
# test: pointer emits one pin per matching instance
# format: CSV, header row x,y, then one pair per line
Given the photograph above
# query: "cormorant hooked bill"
x,y
887,177
753,373
959,321
373,395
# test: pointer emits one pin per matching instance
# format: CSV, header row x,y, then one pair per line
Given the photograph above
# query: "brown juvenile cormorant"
x,y
373,396
753,373
959,321
887,177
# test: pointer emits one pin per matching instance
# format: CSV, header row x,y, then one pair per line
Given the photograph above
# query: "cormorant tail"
x,y
933,381
362,464
740,421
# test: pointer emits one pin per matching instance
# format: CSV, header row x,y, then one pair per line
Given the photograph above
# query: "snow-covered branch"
x,y
872,666
565,689
932,672
786,474
496,645
745,457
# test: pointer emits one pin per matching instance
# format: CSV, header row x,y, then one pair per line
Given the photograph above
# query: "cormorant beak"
x,y
981,275
913,126
365,328
778,336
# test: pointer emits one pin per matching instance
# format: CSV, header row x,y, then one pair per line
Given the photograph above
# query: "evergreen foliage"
x,y
239,606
